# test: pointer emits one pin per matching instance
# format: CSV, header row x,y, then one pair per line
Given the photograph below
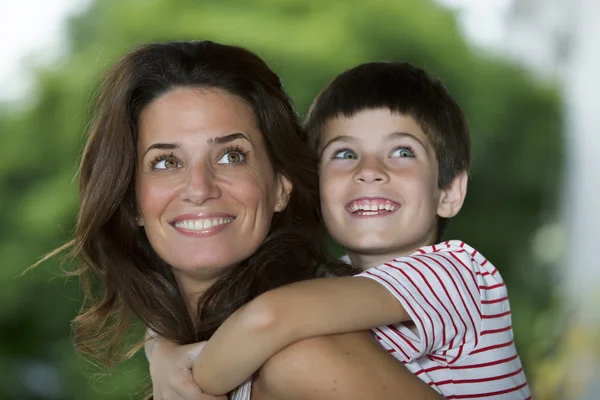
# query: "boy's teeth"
x,y
368,207
201,224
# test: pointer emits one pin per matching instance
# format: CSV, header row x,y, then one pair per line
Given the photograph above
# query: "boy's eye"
x,y
345,155
232,157
402,152
167,163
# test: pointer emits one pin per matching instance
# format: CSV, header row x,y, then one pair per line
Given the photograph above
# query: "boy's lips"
x,y
372,206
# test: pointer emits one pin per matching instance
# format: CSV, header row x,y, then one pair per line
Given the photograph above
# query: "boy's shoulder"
x,y
451,253
449,246
441,254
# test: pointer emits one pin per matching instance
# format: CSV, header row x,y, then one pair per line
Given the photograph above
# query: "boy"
x,y
394,155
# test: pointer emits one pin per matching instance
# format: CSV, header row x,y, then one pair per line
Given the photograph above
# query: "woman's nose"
x,y
200,185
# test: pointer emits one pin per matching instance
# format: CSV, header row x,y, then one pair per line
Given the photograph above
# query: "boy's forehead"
x,y
372,125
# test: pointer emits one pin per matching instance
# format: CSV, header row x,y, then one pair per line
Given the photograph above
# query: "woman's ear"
x,y
453,196
284,190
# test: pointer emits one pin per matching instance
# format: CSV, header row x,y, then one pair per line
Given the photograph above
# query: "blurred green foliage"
x,y
516,127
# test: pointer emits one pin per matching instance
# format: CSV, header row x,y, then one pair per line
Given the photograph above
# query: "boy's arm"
x,y
170,369
280,317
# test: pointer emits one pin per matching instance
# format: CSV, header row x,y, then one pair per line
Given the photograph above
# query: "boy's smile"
x,y
379,185
372,207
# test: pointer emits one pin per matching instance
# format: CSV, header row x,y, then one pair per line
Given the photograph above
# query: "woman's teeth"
x,y
202,224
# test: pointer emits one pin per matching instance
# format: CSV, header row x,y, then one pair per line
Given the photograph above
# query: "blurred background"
x,y
524,71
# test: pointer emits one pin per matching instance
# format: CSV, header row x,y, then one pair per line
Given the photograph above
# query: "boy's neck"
x,y
365,261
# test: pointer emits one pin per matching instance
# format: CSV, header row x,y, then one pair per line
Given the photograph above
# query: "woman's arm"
x,y
283,316
349,366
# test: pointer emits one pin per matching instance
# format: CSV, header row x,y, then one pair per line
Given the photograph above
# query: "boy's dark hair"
x,y
407,90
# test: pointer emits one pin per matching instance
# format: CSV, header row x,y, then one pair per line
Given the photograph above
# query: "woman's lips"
x,y
201,224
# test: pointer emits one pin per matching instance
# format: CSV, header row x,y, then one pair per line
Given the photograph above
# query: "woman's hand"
x,y
171,371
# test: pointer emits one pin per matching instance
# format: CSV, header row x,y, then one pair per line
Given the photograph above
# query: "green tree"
x,y
517,144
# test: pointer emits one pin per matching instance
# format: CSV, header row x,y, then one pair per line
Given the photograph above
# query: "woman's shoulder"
x,y
304,369
336,367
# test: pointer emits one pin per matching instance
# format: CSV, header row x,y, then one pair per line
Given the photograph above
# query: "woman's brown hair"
x,y
121,274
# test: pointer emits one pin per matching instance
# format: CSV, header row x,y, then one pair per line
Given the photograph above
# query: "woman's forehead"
x,y
196,114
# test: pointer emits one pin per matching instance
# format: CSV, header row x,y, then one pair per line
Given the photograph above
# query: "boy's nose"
x,y
371,170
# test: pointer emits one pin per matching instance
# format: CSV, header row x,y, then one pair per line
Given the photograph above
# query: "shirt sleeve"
x,y
440,292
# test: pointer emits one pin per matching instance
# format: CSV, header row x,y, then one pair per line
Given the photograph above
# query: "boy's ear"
x,y
284,190
453,196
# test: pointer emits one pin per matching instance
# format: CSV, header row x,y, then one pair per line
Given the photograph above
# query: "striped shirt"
x,y
458,303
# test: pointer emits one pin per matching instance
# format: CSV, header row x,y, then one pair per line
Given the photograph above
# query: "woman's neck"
x,y
193,284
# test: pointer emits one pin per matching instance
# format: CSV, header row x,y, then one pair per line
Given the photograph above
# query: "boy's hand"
x,y
171,371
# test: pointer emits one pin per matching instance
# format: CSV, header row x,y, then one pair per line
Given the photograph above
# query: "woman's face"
x,y
206,190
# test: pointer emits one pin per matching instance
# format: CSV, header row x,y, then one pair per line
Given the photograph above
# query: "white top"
x,y
242,392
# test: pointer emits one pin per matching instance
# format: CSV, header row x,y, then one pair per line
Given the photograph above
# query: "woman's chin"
x,y
203,267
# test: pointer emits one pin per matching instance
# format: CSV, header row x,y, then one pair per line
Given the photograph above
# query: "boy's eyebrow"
x,y
400,135
341,138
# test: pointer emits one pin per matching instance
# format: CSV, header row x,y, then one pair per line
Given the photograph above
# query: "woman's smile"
x,y
202,225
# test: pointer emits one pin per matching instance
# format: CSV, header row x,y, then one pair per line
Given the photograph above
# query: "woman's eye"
x,y
232,157
345,155
402,152
167,163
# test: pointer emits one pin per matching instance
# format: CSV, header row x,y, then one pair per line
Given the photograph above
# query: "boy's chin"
x,y
370,247
384,246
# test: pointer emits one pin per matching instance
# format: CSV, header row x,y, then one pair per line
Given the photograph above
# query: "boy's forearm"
x,y
241,345
335,305
283,316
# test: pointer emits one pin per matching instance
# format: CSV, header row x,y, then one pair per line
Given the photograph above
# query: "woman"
x,y
198,192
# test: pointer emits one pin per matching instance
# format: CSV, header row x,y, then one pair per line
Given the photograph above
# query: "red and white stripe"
x,y
463,345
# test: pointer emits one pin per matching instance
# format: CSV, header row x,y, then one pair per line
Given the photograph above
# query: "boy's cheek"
x,y
330,175
328,181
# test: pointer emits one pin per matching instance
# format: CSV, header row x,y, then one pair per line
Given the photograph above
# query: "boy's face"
x,y
379,185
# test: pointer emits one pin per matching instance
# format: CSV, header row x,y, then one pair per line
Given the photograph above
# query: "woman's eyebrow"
x,y
162,146
217,140
230,138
